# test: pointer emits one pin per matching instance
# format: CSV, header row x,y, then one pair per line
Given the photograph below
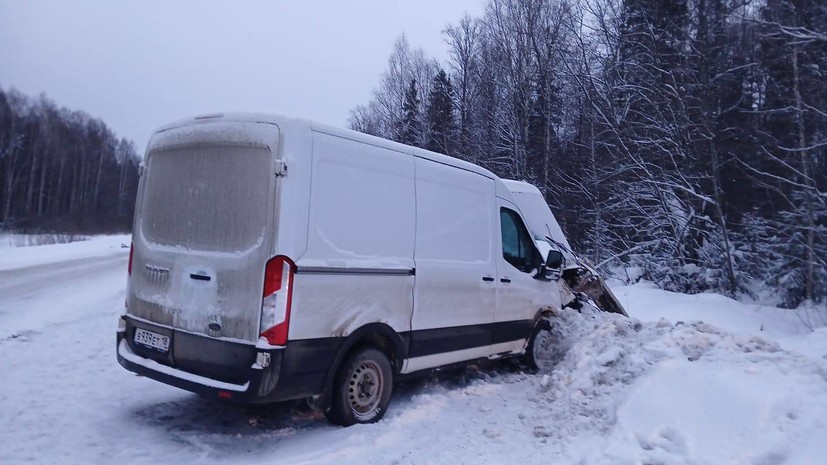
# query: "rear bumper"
x,y
252,382
143,366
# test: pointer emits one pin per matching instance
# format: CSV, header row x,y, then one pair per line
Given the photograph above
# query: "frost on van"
x,y
203,219
217,132
206,202
208,198
194,304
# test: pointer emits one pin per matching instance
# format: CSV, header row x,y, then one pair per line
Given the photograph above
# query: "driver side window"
x,y
518,248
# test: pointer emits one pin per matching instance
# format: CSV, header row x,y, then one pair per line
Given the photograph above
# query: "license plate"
x,y
150,339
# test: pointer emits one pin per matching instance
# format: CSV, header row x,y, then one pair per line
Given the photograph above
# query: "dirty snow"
x,y
688,380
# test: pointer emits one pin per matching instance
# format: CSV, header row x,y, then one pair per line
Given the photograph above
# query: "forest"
x,y
682,141
62,171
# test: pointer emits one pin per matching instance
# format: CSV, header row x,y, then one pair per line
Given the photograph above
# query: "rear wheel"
x,y
541,350
362,389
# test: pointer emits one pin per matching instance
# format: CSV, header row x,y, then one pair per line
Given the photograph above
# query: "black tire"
x,y
362,388
540,352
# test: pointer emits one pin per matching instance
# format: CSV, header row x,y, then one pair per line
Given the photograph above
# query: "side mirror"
x,y
552,269
554,260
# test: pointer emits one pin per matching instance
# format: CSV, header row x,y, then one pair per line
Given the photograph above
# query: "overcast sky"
x,y
140,64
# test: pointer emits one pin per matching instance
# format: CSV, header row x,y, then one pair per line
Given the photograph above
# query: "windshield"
x,y
206,198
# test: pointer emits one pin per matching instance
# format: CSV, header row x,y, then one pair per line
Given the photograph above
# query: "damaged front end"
x,y
583,283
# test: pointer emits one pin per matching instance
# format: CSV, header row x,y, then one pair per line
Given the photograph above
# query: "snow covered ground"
x,y
26,240
13,255
689,380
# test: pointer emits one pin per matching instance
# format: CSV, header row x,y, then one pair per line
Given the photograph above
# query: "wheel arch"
x,y
378,335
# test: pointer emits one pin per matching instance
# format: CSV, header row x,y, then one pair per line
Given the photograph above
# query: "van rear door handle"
x,y
505,280
488,279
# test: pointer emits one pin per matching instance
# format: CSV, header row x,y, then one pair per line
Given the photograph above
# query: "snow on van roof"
x,y
281,121
232,117
521,187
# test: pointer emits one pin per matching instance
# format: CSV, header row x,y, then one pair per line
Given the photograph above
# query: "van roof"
x,y
521,187
283,121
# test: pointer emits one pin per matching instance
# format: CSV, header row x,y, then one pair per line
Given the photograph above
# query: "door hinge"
x,y
281,168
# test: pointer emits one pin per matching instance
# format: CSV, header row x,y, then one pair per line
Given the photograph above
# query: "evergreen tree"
x,y
440,115
410,126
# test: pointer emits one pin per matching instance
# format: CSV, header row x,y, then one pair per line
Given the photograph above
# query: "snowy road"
x,y
25,282
55,293
627,392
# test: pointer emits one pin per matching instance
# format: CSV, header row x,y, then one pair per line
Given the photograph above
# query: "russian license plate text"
x,y
150,339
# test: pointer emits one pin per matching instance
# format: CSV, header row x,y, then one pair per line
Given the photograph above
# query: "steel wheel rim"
x,y
542,351
365,389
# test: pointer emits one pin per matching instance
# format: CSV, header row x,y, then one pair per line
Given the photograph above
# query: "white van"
x,y
276,258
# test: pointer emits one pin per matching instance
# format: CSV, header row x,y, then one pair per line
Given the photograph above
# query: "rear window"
x,y
210,198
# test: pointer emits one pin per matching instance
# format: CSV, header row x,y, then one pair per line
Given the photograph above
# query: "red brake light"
x,y
273,274
276,300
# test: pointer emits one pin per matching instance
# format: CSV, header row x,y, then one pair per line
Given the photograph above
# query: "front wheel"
x,y
541,350
362,389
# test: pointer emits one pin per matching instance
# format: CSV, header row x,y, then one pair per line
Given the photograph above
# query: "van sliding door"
x,y
455,290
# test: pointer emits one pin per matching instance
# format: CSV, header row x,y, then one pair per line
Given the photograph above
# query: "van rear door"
x,y
204,229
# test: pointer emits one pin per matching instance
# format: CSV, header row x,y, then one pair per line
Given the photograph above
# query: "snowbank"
x,y
98,246
684,393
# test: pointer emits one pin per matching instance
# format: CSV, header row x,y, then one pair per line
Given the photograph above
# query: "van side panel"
x,y
455,293
358,267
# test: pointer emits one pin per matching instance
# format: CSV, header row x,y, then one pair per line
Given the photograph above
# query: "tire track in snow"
x,y
62,394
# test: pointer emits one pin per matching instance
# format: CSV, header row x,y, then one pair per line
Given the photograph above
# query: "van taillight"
x,y
129,267
276,299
